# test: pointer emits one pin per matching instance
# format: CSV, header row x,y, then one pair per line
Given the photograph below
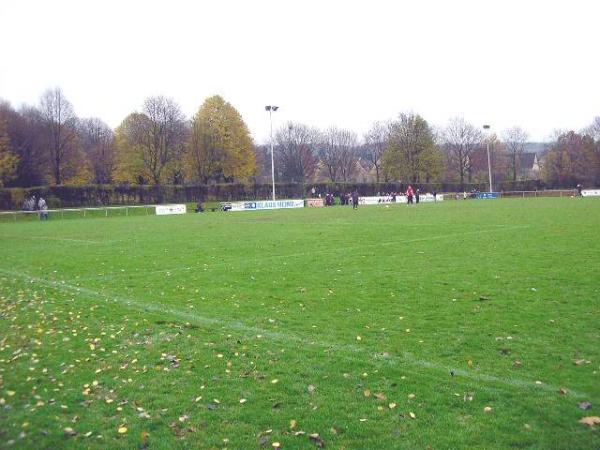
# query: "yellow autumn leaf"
x,y
590,420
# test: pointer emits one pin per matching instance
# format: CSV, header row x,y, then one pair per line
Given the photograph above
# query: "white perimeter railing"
x,y
105,211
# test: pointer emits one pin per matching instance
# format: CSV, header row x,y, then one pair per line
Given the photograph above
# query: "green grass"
x,y
180,317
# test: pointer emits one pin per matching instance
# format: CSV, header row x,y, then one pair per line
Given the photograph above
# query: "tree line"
x,y
49,144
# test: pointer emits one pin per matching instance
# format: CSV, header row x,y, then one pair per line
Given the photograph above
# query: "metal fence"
x,y
515,194
71,213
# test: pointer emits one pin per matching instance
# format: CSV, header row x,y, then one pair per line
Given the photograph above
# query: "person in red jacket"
x,y
409,194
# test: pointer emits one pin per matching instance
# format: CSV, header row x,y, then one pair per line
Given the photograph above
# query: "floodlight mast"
x,y
271,110
487,127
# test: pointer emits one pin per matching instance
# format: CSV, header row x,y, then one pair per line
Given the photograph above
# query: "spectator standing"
x,y
417,195
43,208
409,194
355,199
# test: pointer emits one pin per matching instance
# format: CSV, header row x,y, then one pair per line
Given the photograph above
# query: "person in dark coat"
x,y
355,199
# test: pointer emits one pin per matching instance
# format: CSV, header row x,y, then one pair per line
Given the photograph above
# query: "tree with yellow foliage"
x,y
219,146
8,160
150,144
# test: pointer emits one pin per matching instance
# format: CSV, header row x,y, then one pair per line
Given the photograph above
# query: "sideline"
x,y
404,357
59,239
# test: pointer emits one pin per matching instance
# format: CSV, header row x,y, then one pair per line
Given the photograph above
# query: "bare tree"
x,y
515,139
461,139
376,140
97,141
59,120
339,153
594,129
296,146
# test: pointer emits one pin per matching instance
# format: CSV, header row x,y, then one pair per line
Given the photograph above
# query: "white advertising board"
x,y
377,200
399,199
429,198
590,193
266,204
164,210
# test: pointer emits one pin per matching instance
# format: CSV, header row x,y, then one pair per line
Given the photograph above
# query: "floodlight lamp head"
x,y
486,127
274,108
267,108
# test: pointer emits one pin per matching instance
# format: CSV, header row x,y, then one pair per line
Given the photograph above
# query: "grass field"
x,y
378,328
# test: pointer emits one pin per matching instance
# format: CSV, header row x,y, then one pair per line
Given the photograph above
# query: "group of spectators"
x,y
40,205
413,196
348,198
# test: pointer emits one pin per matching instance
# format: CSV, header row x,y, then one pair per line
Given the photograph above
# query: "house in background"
x,y
532,160
529,167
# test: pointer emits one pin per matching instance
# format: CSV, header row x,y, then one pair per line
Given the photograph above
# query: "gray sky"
x,y
347,63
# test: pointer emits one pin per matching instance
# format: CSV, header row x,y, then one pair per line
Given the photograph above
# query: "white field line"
x,y
54,238
330,251
352,349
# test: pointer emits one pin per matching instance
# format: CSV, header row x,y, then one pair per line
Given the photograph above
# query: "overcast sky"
x,y
347,63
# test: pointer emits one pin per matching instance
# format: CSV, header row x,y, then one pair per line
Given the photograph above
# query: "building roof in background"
x,y
536,147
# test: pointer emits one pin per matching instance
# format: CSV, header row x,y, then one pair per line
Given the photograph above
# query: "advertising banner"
x,y
487,195
164,210
266,204
314,202
429,198
590,193
378,199
386,199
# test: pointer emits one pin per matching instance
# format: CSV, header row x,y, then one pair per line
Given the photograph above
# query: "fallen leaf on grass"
x,y
563,391
412,415
276,445
367,392
487,409
584,405
380,396
311,388
70,431
122,429
293,424
590,420
317,440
